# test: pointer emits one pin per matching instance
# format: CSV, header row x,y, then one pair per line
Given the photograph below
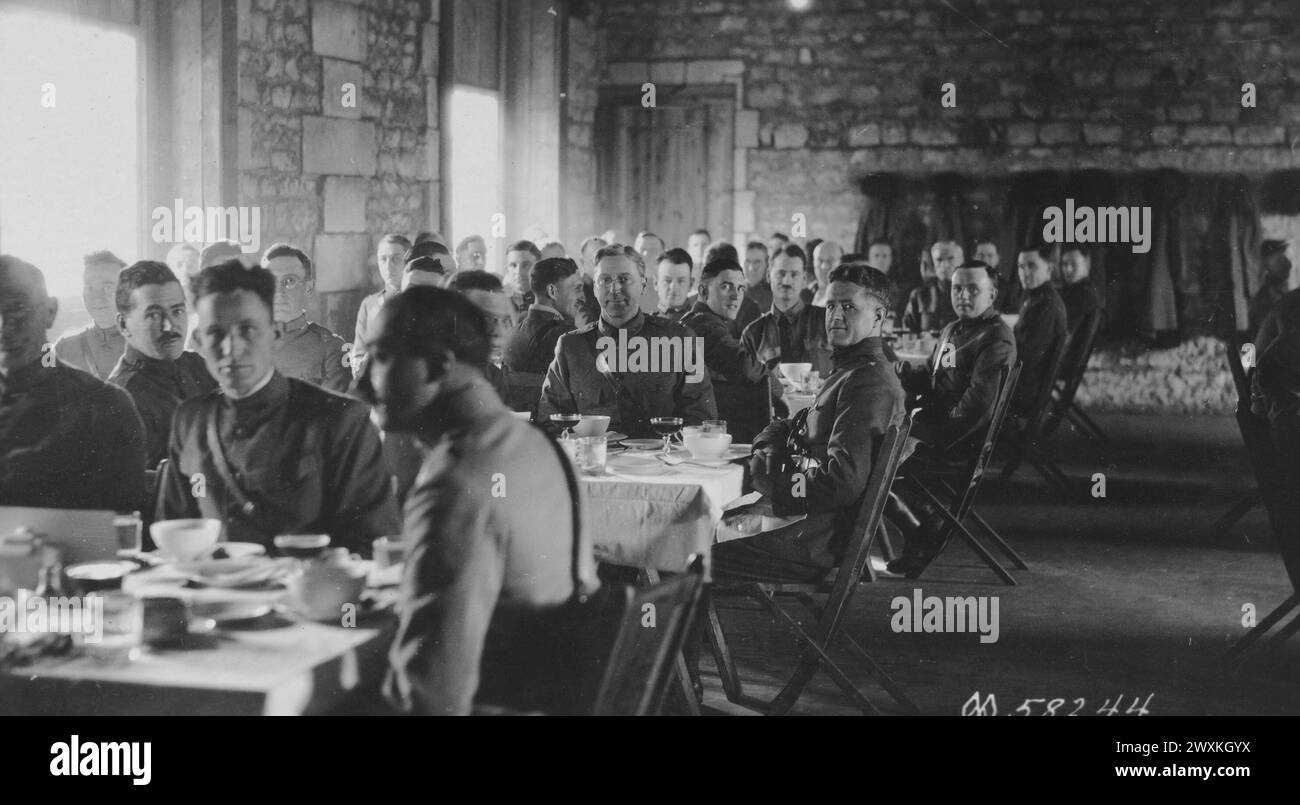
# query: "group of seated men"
x,y
256,434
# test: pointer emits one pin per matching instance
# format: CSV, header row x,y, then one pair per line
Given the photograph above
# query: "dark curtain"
x,y
1171,286
1095,188
1028,194
881,216
1231,271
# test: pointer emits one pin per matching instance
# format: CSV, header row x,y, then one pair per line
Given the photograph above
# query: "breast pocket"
x,y
291,492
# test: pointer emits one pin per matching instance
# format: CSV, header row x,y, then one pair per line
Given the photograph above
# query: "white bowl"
x,y
185,540
796,373
708,446
591,426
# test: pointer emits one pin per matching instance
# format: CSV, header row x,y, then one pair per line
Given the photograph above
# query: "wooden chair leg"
x,y
886,681
1269,621
722,654
997,538
887,550
966,535
1239,510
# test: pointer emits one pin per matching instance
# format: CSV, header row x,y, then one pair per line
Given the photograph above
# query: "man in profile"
x,y
270,454
558,289
929,306
489,524
842,432
67,439
674,283
390,254
96,347
740,383
307,351
577,382
155,369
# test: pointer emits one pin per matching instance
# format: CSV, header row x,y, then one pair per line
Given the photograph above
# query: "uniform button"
x,y
240,433
249,508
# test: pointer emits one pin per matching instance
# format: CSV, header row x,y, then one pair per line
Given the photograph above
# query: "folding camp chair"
x,y
962,504
641,662
1248,502
1082,343
1026,436
1269,476
838,586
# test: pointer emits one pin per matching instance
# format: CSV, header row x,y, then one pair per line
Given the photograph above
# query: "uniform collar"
x,y
793,313
294,325
674,311
136,360
633,326
104,334
273,390
866,350
703,307
538,306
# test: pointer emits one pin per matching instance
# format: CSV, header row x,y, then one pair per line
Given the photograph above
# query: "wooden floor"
x,y
1129,601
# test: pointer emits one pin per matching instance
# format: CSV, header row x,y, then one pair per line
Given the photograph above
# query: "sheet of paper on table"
x,y
749,519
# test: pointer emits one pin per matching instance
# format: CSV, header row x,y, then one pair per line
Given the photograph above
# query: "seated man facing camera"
x,y
842,431
270,454
489,523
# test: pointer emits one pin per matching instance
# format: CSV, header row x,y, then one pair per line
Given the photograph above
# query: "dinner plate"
x,y
248,572
644,444
229,611
641,468
615,436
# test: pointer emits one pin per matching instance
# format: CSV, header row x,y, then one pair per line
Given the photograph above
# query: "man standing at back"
x,y
155,369
67,439
96,347
391,256
308,351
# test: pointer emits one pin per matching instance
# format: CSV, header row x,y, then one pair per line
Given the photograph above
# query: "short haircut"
x,y
855,257
464,244
551,271
792,251
103,256
231,276
678,255
980,265
425,237
285,250
588,241
1044,250
946,242
477,280
715,267
703,232
20,272
427,248
220,252
138,275
620,250
721,250
428,322
981,241
525,246
641,235
880,242
870,279
758,245
1082,248
393,237
780,236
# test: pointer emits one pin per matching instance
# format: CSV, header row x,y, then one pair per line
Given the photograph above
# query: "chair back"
x,y
1036,419
1272,479
1082,343
980,462
649,632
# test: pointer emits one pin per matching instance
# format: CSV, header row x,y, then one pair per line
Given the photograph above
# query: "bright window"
x,y
69,172
474,155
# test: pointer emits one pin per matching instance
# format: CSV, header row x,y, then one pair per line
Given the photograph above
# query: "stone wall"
x,y
579,180
854,86
1192,378
332,170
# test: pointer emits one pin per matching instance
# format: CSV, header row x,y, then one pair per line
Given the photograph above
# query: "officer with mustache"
x,y
155,369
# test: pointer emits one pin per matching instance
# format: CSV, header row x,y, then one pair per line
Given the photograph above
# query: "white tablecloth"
x,y
657,520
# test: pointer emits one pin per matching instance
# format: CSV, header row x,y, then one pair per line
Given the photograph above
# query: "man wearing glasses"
x,y
307,351
629,393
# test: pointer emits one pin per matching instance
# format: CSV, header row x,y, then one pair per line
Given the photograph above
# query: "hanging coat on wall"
x,y
1170,284
881,217
1232,270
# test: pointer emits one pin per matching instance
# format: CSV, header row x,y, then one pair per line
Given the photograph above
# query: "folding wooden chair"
x,y
1248,502
1082,343
839,587
962,504
1269,476
642,659
1026,436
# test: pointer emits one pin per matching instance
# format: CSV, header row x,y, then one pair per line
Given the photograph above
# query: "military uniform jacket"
x,y
291,458
740,381
532,346
575,384
158,387
957,394
806,341
92,350
361,335
311,353
68,441
1039,330
1081,299
929,307
861,399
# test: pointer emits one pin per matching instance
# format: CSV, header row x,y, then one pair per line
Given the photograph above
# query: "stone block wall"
x,y
338,132
855,86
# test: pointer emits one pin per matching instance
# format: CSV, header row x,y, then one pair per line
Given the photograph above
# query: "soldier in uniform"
x,y
67,439
96,347
861,399
792,330
929,306
557,287
1041,328
674,282
269,454
520,259
391,256
307,351
740,383
155,369
576,383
